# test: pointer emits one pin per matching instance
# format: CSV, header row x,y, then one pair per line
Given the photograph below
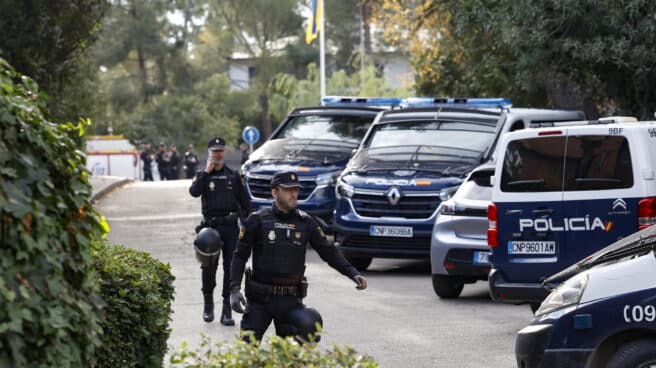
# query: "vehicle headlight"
x,y
567,294
328,178
447,193
344,190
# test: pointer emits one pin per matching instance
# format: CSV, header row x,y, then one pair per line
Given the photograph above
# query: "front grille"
x,y
364,241
378,205
261,188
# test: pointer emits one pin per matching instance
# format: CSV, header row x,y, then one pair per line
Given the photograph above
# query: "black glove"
x,y
237,300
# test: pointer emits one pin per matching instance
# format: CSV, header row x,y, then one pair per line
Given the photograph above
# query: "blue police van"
x,y
410,160
562,192
316,142
603,315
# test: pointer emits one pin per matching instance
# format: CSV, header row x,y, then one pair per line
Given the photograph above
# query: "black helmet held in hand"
x,y
207,245
304,323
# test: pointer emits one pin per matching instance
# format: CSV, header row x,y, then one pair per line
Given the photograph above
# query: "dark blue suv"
x,y
408,163
316,142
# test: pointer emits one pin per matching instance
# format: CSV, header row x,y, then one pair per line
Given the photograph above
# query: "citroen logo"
x,y
394,195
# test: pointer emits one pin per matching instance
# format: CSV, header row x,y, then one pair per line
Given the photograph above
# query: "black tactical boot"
x,y
226,314
208,309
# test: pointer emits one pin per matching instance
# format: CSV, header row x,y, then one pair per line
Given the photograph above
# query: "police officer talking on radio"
x,y
224,200
277,238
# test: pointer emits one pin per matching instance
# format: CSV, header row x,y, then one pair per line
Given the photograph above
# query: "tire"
x,y
447,287
635,354
360,263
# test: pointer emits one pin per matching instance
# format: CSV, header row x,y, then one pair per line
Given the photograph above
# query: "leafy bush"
x,y
285,353
138,291
48,293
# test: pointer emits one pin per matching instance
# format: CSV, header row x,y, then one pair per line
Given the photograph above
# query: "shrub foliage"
x,y
281,353
138,291
48,293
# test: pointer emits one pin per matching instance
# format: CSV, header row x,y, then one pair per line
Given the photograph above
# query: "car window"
x,y
478,187
597,162
534,165
342,128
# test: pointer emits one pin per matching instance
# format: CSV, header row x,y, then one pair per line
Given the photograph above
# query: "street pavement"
x,y
398,320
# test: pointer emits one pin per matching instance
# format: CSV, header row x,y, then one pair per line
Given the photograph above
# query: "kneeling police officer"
x,y
224,199
277,237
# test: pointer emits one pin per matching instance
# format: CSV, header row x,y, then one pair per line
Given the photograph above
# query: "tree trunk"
x,y
143,72
366,25
266,115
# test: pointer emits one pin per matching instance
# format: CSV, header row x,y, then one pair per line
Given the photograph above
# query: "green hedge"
x,y
282,353
48,294
138,291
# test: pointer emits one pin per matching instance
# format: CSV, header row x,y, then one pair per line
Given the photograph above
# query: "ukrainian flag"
x,y
314,25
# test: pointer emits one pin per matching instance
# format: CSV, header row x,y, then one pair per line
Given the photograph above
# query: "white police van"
x,y
561,193
603,315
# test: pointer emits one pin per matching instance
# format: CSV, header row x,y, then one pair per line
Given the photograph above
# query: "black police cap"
x,y
286,179
216,144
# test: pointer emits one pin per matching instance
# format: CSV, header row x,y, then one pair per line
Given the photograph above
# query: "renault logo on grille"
x,y
394,195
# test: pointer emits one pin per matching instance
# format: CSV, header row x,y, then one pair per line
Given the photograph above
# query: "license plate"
x,y
531,247
393,231
482,258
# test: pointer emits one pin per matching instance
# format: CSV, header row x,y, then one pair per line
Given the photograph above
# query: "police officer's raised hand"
x,y
237,301
361,282
210,163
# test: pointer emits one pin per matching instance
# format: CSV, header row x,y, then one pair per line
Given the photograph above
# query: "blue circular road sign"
x,y
250,135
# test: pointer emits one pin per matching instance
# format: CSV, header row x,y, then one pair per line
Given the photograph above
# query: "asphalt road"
x,y
398,320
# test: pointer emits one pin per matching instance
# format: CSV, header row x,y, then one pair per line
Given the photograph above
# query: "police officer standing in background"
x,y
162,162
277,238
224,200
147,158
174,164
190,162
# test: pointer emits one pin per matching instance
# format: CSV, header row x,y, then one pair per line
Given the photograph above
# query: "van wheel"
x,y
360,263
534,306
447,286
635,354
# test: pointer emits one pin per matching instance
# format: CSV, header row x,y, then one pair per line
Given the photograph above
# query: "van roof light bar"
x,y
476,103
361,101
606,120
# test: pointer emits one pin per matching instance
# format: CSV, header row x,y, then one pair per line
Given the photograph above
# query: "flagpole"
x,y
322,51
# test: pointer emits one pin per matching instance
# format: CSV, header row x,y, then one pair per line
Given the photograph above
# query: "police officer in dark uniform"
x,y
224,200
147,158
277,238
190,162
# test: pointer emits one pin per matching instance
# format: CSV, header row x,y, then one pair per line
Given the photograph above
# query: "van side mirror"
x,y
353,151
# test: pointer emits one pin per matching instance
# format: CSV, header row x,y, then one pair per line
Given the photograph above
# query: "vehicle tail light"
x,y
646,212
492,230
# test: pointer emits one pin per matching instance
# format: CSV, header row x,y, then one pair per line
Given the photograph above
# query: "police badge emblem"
x,y
272,235
212,185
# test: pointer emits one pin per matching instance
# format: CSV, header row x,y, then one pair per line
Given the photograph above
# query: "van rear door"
x,y
600,194
529,207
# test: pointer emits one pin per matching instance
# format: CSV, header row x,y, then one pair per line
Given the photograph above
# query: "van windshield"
x,y
456,135
349,129
637,243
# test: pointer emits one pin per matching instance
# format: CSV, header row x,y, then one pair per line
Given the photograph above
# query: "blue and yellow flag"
x,y
314,25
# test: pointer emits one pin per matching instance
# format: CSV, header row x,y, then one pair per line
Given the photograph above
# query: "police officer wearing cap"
x,y
223,200
277,237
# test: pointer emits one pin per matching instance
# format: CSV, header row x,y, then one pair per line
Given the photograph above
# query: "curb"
x,y
105,190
